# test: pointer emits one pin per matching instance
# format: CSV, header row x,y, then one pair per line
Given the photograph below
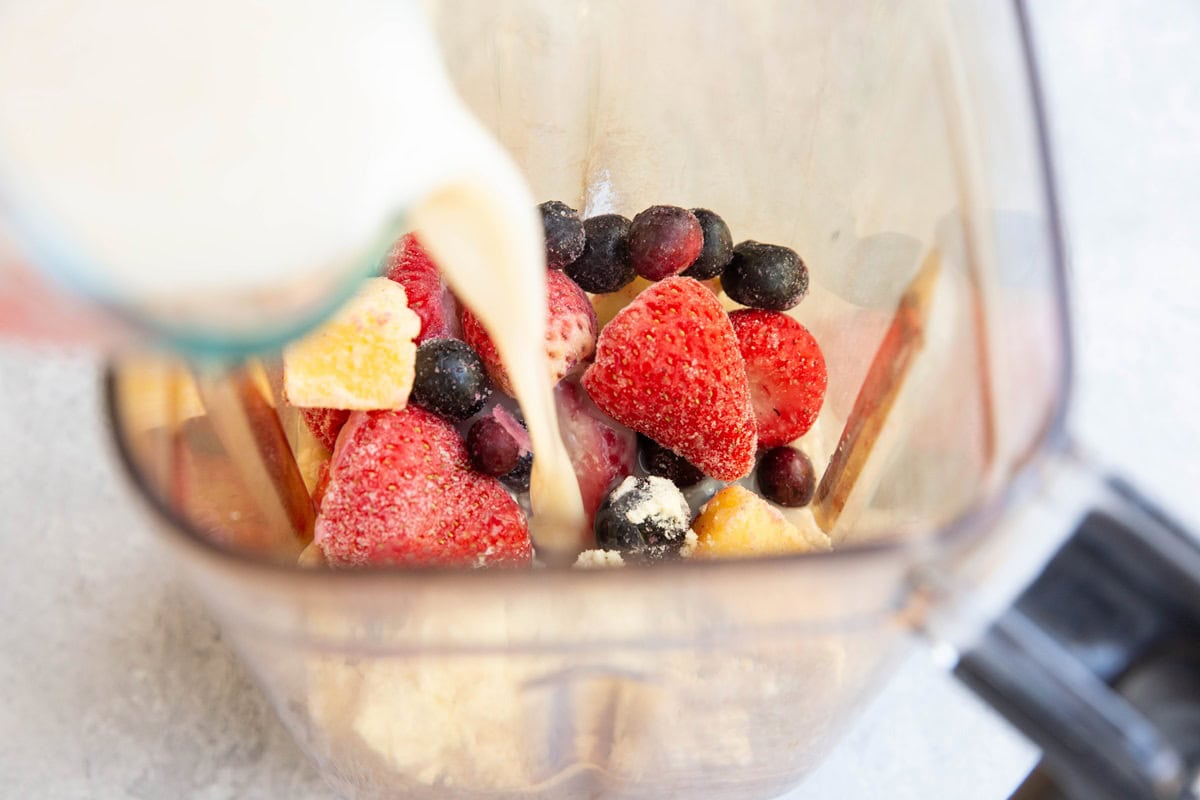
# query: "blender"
x,y
910,169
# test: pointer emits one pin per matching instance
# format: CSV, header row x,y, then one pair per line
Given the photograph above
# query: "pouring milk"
x,y
227,170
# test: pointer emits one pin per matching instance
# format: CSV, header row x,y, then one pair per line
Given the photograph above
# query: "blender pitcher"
x,y
898,147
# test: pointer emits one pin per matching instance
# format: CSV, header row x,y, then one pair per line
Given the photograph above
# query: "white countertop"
x,y
117,685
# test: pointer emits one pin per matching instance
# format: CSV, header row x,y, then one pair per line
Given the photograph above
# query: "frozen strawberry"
x,y
325,423
570,332
401,491
602,452
786,372
668,366
409,265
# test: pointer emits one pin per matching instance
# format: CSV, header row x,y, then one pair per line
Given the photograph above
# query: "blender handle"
x,y
1097,658
1167,691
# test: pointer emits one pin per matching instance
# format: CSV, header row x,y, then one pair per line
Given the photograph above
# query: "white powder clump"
x,y
690,542
599,559
657,499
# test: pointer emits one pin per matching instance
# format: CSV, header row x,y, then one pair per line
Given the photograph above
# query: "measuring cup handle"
x,y
1092,650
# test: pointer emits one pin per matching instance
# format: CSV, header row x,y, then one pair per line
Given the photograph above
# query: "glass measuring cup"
x,y
186,195
877,144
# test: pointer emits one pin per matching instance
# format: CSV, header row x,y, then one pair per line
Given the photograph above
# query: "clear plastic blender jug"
x,y
895,146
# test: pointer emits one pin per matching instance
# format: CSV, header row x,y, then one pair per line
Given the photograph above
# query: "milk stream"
x,y
234,163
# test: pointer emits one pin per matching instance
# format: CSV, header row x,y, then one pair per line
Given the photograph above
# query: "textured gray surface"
x,y
1124,89
117,686
116,683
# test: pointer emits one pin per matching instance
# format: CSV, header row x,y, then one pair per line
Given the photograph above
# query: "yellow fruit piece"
x,y
738,523
362,359
727,303
310,455
607,305
155,390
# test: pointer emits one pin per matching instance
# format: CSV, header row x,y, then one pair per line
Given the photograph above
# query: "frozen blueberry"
x,y
563,228
643,517
450,379
518,477
664,241
717,250
666,463
786,477
765,276
604,265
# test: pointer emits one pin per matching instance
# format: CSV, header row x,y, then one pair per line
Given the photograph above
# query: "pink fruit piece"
x,y
401,491
409,265
786,371
668,366
325,423
571,329
602,451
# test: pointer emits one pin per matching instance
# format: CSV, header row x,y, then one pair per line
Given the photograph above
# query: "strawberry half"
x,y
401,491
668,366
571,328
786,371
409,265
602,452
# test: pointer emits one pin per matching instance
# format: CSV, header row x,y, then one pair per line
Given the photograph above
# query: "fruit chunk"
x,y
718,247
570,332
604,265
409,265
737,523
450,379
499,446
786,476
786,371
361,359
668,366
664,241
563,230
493,450
401,491
608,305
646,517
601,451
325,423
765,276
